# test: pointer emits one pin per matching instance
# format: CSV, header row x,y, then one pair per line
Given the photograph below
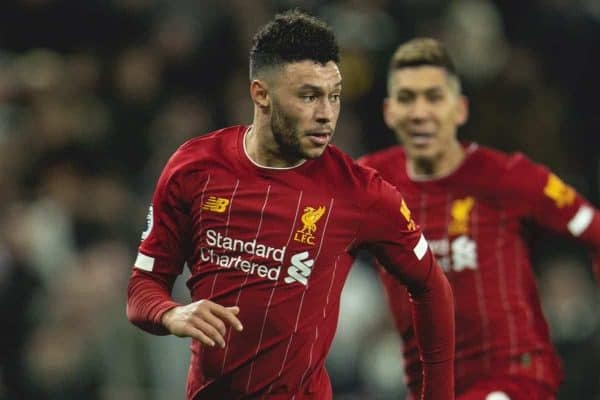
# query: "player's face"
x,y
425,108
305,107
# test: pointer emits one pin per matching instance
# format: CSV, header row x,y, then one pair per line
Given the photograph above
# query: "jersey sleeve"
x,y
554,204
391,234
164,249
166,242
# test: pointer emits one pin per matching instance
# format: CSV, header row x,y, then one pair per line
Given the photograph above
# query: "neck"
x,y
437,167
262,148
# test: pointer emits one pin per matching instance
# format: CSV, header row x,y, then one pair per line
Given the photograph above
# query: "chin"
x,y
427,152
314,153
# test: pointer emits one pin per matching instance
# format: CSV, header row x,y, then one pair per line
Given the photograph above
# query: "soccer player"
x,y
267,218
471,202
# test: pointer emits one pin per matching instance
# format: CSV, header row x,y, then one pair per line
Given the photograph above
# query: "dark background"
x,y
96,94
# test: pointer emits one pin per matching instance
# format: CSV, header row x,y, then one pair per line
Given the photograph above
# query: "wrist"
x,y
165,318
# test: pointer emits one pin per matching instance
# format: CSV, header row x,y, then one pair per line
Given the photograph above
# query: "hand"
x,y
202,320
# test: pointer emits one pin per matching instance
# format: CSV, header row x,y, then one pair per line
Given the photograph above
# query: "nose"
x,y
324,112
419,109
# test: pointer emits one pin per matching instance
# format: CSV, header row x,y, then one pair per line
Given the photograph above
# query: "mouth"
x,y
421,139
319,138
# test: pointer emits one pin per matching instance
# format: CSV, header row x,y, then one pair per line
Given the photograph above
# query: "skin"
x,y
424,108
296,107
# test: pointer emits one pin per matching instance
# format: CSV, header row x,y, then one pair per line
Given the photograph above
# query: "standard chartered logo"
x,y
215,255
218,246
300,269
458,255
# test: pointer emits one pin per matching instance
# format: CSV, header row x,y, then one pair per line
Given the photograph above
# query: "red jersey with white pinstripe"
x,y
277,243
472,219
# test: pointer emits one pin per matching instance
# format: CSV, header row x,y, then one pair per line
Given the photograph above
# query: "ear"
x,y
387,115
463,111
259,91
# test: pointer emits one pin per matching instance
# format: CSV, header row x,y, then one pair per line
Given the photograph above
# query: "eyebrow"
x,y
425,90
308,86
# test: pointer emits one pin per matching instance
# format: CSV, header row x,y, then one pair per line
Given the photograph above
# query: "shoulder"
x,y
206,148
383,158
208,143
508,171
496,161
508,162
344,172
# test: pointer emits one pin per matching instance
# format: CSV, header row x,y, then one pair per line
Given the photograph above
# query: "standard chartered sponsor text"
x,y
216,240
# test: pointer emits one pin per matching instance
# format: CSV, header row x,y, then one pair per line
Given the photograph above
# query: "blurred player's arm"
x,y
397,242
555,205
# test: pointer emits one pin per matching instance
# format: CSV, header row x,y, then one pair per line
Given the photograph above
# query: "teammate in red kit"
x,y
471,202
267,218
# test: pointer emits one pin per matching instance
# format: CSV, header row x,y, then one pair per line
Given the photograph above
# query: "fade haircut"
x,y
424,52
292,36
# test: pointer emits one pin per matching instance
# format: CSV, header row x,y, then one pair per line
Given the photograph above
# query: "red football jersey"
x,y
472,219
278,243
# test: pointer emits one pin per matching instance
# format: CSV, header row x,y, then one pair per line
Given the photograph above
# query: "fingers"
x,y
211,332
197,334
210,319
228,314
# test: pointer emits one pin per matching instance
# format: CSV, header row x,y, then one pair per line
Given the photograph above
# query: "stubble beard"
x,y
286,134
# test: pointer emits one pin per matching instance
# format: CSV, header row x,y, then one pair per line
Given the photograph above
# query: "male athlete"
x,y
267,218
471,202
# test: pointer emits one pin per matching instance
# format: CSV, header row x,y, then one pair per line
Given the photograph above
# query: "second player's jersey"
x,y
473,219
278,244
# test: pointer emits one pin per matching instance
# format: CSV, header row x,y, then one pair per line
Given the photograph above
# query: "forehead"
x,y
419,78
298,74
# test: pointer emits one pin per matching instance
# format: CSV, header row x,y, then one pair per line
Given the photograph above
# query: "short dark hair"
x,y
422,52
292,36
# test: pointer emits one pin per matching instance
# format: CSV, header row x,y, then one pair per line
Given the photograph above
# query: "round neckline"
x,y
250,161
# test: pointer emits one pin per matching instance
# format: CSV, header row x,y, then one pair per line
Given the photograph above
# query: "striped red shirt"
x,y
278,242
472,219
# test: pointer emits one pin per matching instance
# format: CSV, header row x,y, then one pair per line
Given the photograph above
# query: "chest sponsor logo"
x,y
245,256
456,255
309,219
559,192
460,213
216,204
300,269
405,211
231,253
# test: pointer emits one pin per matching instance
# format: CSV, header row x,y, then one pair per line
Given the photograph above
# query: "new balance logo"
x,y
216,204
300,269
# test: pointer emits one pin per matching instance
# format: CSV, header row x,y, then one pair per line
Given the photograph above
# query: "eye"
x,y
309,98
405,97
435,97
334,98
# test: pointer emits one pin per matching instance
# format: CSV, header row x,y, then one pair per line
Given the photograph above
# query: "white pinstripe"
x,y
500,264
271,296
237,300
330,285
237,183
481,296
200,223
304,293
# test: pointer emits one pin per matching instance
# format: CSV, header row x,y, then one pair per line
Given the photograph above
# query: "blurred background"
x,y
96,94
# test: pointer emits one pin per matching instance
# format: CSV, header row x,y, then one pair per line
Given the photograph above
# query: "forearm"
x,y
433,317
148,298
